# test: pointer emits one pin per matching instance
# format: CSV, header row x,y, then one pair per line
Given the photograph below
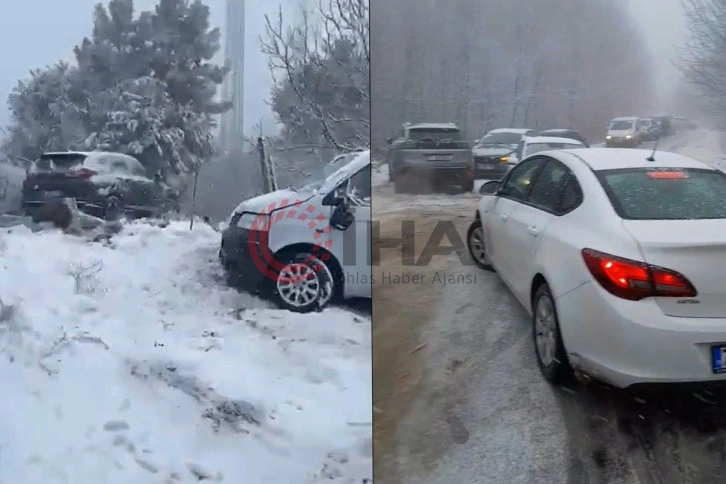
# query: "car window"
x,y
547,188
658,194
517,183
359,186
571,195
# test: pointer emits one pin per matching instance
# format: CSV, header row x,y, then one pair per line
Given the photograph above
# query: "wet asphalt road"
x,y
485,414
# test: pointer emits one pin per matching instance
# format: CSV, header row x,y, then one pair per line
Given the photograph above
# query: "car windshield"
x,y
658,194
621,125
500,139
537,147
318,176
436,134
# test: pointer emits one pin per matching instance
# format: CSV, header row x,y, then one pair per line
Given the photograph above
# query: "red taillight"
x,y
633,280
82,173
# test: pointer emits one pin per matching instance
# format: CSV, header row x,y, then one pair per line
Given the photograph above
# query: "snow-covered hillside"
x,y
130,362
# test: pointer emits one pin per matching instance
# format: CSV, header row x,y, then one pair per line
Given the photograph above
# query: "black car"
x,y
102,183
565,133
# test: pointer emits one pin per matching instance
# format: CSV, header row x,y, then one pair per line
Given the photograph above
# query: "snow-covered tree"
x,y
144,85
321,71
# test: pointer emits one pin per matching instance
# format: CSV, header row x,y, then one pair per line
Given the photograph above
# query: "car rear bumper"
x,y
236,256
633,342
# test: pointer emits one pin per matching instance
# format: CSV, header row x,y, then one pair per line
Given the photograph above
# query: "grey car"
x,y
430,156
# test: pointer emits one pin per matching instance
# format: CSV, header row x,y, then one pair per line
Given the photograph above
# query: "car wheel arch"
x,y
329,259
537,281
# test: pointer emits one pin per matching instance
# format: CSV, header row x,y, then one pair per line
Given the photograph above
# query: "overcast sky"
x,y
35,33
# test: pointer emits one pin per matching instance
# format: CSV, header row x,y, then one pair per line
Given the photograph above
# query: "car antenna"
x,y
655,147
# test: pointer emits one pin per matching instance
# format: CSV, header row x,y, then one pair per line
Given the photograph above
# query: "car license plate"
x,y
52,194
440,157
718,359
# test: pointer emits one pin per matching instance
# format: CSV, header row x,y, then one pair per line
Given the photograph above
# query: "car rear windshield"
x,y
660,194
621,125
435,134
59,161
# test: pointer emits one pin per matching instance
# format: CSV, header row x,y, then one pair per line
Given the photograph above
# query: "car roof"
x,y
433,125
552,139
616,158
510,130
626,118
558,130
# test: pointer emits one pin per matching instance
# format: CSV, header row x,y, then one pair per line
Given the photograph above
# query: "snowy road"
x,y
130,361
481,412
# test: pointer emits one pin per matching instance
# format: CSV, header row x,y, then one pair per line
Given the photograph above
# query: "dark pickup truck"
x,y
430,156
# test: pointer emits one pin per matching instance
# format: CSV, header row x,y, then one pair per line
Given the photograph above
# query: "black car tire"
x,y
475,225
559,371
113,208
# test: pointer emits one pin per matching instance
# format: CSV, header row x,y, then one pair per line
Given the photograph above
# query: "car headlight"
x,y
628,136
608,137
504,159
250,221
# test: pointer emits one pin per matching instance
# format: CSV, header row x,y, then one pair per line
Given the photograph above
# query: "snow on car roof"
x,y
510,130
59,153
432,125
553,139
626,118
356,164
614,158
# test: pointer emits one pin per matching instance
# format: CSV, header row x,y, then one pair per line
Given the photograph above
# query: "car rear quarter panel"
x,y
594,224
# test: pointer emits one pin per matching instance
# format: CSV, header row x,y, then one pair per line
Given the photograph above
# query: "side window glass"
x,y
571,195
359,187
547,189
518,182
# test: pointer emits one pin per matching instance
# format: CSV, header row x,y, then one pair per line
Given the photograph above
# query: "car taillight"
x,y
82,173
633,280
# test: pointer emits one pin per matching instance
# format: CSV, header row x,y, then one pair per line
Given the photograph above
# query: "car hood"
x,y
270,202
492,150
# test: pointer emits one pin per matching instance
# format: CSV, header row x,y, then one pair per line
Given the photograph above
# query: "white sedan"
x,y
620,259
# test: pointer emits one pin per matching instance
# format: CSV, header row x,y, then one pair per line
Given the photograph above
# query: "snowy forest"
x,y
522,63
703,58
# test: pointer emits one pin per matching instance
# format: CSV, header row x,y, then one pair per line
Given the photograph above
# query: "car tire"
x,y
553,362
113,208
309,268
474,236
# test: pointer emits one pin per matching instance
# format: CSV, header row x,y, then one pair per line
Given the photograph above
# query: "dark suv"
x,y
102,183
430,156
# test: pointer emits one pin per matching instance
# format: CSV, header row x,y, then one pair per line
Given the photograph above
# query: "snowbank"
x,y
11,183
130,362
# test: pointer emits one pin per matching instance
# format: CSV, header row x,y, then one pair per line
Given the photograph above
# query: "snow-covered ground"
x,y
11,182
130,362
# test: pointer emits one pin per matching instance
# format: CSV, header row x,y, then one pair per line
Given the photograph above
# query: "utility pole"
x,y
263,165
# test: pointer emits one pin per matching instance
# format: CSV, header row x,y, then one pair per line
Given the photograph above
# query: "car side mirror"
x,y
389,140
341,218
489,188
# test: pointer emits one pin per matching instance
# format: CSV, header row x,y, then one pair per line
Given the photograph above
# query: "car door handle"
x,y
503,216
533,231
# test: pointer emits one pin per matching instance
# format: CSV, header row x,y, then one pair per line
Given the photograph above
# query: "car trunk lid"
x,y
694,248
